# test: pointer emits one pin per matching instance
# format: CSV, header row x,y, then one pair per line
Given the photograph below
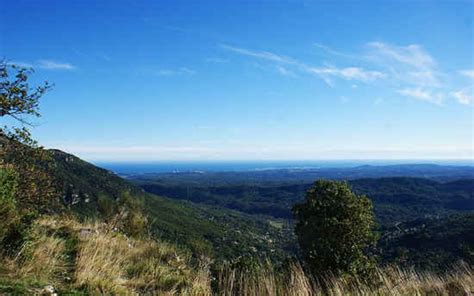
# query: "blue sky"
x,y
230,80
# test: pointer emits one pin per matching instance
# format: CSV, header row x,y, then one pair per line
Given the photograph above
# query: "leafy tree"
x,y
17,99
18,151
335,230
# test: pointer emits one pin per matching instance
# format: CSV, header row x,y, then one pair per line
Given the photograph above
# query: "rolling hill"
x,y
227,221
220,233
396,199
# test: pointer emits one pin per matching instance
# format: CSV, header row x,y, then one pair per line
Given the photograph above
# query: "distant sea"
x,y
128,168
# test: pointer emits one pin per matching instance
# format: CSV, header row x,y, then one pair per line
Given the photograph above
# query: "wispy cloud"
x,y
325,73
468,73
334,52
410,64
413,67
53,65
349,73
413,55
45,64
266,55
417,73
464,96
284,71
407,70
422,94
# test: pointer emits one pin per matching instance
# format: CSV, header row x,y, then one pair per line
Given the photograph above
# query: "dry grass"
x,y
112,263
104,262
94,259
41,258
387,281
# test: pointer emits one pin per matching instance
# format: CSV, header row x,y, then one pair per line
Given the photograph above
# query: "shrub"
x,y
8,210
130,217
335,230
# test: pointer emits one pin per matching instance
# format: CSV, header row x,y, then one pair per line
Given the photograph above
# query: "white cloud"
x,y
408,64
336,53
467,73
422,94
413,55
463,96
187,71
410,70
45,64
284,71
350,73
414,70
266,55
52,65
325,73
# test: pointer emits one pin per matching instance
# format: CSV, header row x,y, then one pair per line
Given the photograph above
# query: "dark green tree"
x,y
335,230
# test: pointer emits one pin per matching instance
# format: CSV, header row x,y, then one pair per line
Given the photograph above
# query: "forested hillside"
x,y
396,199
90,191
227,222
409,210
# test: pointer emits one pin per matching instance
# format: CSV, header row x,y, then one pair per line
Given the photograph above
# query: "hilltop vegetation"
x,y
396,199
403,206
430,243
92,192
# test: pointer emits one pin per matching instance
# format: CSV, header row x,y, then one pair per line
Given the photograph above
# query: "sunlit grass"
x,y
93,258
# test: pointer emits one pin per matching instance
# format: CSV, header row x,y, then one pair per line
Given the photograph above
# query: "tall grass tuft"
x,y
111,263
92,258
390,280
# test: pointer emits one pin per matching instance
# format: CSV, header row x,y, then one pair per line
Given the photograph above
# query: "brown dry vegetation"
x,y
92,258
387,281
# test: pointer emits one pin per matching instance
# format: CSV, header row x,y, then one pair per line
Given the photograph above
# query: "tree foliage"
x,y
18,151
335,230
17,98
8,207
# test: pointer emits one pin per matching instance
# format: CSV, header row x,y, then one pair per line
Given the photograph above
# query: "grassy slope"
x,y
90,259
84,259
